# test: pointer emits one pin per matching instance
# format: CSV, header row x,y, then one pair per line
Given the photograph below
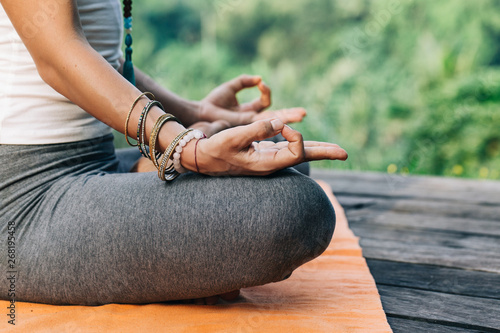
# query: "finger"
x,y
283,154
257,131
284,144
261,103
244,81
316,150
319,143
265,97
293,115
295,142
324,152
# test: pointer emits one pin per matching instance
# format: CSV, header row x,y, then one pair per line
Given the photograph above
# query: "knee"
x,y
313,223
307,222
293,224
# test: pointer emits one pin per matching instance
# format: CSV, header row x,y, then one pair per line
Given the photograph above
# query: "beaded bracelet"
x,y
141,127
195,154
196,134
130,113
168,153
154,135
170,173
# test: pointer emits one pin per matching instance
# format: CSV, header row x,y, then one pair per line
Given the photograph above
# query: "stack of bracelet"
x,y
173,152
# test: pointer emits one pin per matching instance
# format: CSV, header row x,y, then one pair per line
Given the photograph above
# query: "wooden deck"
x,y
432,245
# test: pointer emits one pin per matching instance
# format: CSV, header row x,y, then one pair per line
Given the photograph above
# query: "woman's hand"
x,y
211,128
236,152
222,104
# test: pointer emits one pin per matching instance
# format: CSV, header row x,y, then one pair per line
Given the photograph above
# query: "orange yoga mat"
x,y
333,293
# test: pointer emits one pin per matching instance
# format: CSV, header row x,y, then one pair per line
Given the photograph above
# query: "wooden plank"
x,y
446,209
435,278
422,221
430,238
400,325
446,183
354,203
433,255
383,185
429,247
427,207
388,182
446,309
432,245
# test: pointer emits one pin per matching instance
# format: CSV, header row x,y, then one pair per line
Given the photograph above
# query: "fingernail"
x,y
276,124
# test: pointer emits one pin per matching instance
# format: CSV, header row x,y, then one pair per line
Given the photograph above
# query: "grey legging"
x,y
88,232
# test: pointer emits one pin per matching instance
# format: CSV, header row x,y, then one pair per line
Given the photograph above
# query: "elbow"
x,y
56,71
56,67
48,73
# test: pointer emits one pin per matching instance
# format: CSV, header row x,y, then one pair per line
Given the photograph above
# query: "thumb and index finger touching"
x,y
298,150
253,110
267,128
249,81
289,155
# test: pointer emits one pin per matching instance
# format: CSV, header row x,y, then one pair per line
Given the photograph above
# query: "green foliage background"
x,y
405,86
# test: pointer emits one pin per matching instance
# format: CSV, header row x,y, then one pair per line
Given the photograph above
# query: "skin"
x,y
66,61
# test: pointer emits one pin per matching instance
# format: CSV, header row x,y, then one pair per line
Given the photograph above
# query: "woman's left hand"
x,y
211,128
222,104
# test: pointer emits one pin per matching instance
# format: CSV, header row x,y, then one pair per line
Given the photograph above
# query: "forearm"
x,y
186,111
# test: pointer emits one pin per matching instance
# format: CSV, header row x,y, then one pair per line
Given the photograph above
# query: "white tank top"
x,y
31,112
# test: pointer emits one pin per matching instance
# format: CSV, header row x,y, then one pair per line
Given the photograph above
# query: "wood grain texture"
x,y
401,325
423,221
435,278
432,245
381,184
442,308
441,256
421,206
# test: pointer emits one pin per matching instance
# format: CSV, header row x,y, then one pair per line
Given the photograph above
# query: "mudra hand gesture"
x,y
240,150
221,109
236,151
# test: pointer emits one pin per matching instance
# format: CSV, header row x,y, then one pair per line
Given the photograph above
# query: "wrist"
x,y
200,157
186,111
188,148
189,112
188,156
167,134
193,109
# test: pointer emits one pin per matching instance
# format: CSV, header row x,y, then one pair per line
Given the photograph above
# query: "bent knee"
x,y
306,225
315,222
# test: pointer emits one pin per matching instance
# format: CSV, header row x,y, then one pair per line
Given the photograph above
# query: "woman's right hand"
x,y
235,151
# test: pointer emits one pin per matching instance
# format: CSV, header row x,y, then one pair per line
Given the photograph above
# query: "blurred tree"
x,y
413,85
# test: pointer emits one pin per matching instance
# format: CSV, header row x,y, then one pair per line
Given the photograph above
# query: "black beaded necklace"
x,y
128,67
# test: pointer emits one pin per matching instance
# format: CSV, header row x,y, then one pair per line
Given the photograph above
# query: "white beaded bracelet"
x,y
196,134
